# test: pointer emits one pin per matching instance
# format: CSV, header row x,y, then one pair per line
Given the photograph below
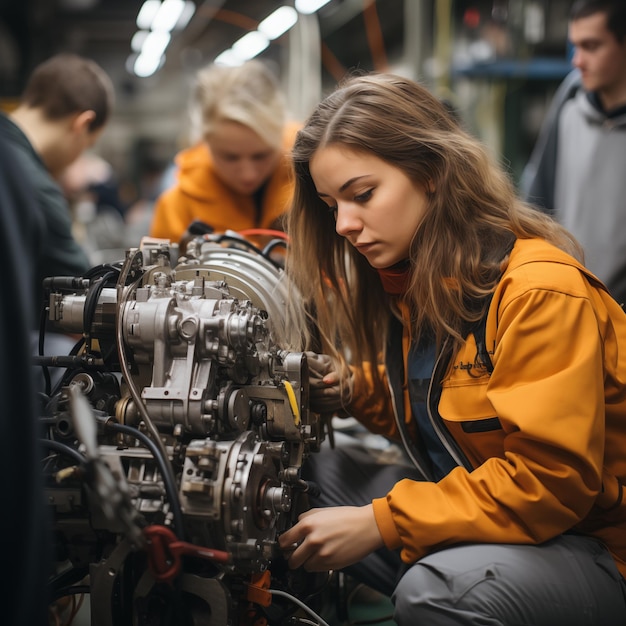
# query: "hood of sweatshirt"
x,y
590,106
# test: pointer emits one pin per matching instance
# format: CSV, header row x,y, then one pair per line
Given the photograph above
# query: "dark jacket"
x,y
58,253
25,524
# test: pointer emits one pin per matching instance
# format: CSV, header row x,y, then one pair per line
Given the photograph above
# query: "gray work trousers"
x,y
571,580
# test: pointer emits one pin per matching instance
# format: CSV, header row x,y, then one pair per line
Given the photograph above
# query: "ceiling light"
x,y
310,6
146,14
188,11
167,15
250,45
278,22
155,44
136,43
146,65
228,57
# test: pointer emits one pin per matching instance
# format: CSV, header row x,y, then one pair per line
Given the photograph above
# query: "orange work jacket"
x,y
540,441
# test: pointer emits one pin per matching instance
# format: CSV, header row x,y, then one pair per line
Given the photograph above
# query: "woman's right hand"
x,y
327,392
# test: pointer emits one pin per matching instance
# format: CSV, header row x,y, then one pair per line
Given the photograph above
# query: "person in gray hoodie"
x,y
576,169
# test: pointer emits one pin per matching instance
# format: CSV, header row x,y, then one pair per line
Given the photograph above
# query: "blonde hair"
x,y
248,94
472,219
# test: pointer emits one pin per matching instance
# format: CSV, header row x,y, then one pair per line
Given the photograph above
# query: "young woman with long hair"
x,y
455,318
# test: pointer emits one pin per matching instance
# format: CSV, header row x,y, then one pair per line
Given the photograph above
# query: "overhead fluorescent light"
x,y
310,6
155,43
250,45
168,14
146,65
186,15
278,22
146,14
228,57
136,43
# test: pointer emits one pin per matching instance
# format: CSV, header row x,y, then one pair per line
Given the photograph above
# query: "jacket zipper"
x,y
401,426
444,437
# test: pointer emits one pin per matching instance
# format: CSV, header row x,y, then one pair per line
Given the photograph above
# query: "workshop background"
x,y
497,62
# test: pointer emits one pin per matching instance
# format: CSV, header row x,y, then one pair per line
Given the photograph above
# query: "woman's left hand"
x,y
327,392
331,538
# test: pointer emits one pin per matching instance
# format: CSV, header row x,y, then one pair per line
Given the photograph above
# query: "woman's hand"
x,y
327,392
331,538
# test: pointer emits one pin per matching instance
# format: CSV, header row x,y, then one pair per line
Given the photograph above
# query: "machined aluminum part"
x,y
233,497
203,364
248,276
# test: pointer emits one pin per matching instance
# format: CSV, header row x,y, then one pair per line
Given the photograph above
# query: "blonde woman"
x,y
239,175
502,372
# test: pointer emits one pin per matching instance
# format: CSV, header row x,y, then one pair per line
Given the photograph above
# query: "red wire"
x,y
251,232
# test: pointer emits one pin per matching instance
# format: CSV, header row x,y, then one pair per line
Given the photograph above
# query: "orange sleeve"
x,y
386,526
170,219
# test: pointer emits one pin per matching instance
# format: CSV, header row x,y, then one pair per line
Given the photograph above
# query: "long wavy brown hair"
x,y
472,220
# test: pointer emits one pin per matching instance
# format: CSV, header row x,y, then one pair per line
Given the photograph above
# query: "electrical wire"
x,y
123,292
91,302
69,374
57,446
71,591
170,485
43,321
304,607
269,232
42,335
68,582
237,238
275,243
248,244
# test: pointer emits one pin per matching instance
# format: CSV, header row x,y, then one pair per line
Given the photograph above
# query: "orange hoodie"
x,y
200,195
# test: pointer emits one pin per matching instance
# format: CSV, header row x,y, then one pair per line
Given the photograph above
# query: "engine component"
x,y
182,414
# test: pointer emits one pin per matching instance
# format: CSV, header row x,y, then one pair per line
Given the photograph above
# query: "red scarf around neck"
x,y
396,278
